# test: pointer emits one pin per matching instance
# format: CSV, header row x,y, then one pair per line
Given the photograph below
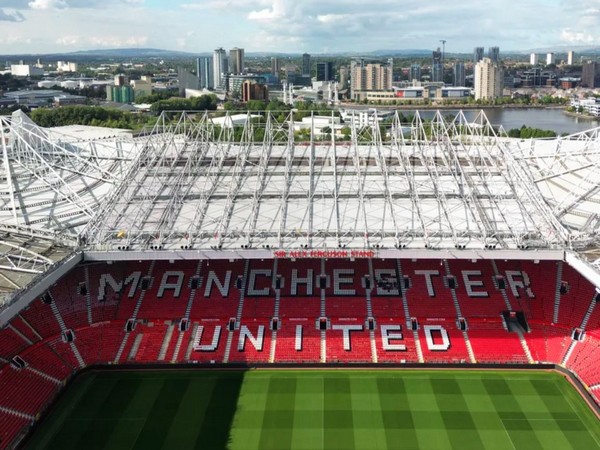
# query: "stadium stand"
x,y
231,319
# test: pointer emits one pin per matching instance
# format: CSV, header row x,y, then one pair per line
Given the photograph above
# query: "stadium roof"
x,y
191,189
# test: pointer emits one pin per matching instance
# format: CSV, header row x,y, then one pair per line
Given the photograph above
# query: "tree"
x,y
346,133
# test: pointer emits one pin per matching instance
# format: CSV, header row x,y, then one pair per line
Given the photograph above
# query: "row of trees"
x,y
202,103
529,132
89,115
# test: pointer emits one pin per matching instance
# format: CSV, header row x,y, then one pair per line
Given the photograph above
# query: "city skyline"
x,y
48,26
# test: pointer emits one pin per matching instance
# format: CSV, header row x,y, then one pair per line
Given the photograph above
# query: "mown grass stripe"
x,y
221,407
161,415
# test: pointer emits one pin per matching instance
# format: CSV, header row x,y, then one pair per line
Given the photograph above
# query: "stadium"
x,y
395,254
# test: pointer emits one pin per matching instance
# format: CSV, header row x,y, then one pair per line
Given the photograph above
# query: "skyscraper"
x,y
306,65
437,69
589,74
236,60
477,54
458,70
325,71
488,80
220,67
275,66
533,59
550,59
204,71
344,73
570,57
494,54
415,72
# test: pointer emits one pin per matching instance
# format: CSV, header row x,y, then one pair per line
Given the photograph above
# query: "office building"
x,y
589,74
62,66
570,57
252,90
414,72
458,71
220,67
488,80
370,75
235,82
477,54
275,66
437,68
236,61
550,59
533,59
494,54
25,70
120,80
141,88
187,80
204,71
325,71
344,75
306,65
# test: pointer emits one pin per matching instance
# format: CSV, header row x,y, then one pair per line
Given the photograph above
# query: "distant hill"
x,y
133,52
117,53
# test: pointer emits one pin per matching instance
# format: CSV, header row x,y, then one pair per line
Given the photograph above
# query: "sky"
x,y
295,26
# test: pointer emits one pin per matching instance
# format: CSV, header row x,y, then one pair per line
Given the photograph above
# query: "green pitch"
x,y
319,409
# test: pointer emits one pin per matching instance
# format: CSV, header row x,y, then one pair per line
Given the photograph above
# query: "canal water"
x,y
547,119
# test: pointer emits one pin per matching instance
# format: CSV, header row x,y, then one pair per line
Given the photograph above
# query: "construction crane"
x,y
443,41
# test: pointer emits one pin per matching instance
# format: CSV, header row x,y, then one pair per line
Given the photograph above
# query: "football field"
x,y
319,409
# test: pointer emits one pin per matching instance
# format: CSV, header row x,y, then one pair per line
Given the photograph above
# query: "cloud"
x,y
299,25
117,42
277,10
48,4
332,18
264,14
68,41
11,16
578,37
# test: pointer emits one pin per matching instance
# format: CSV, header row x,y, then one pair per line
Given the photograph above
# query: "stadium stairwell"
x,y
277,291
240,310
581,330
64,329
403,293
557,292
43,375
323,275
459,313
14,412
195,284
190,348
88,295
133,318
502,290
525,347
368,290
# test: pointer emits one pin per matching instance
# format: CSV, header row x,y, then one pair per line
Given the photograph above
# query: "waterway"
x,y
547,119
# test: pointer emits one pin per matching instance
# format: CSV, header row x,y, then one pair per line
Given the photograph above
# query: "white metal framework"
x,y
51,185
436,184
194,184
